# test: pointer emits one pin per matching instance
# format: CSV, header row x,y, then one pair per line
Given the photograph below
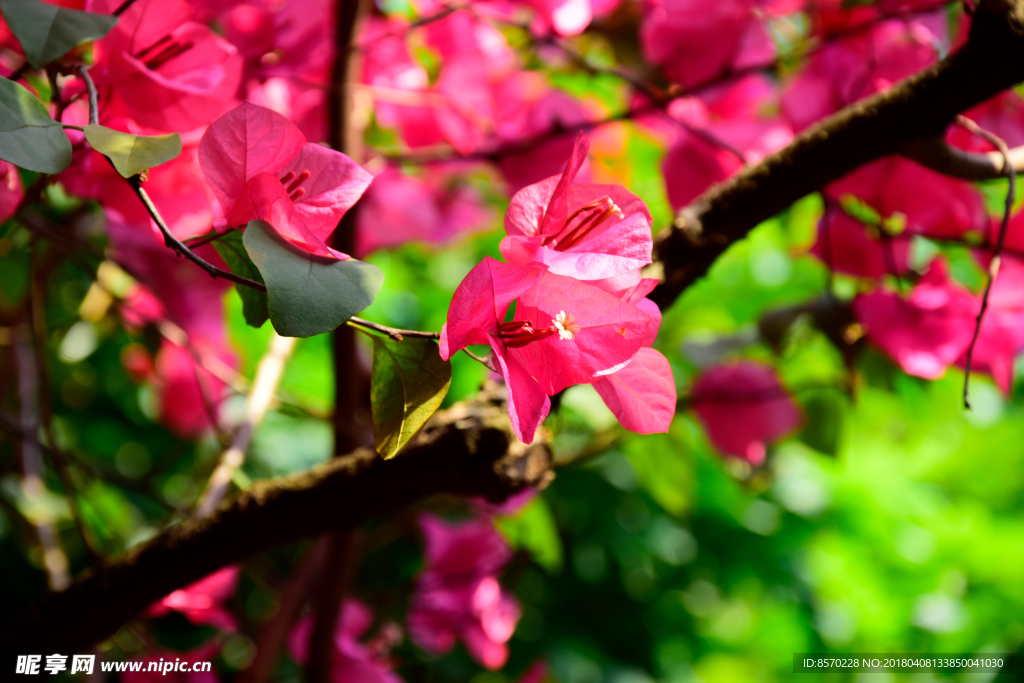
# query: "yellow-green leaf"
x,y
133,154
409,382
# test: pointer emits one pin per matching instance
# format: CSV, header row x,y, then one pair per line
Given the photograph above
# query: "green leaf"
x,y
534,529
409,382
47,32
29,137
133,154
254,302
307,295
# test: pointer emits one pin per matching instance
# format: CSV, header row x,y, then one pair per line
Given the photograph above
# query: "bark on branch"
x,y
470,450
922,106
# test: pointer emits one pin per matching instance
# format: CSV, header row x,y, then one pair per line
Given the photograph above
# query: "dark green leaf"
x,y
254,302
408,384
133,154
47,32
29,137
307,295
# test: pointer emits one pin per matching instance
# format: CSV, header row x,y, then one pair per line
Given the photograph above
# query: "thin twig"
x,y
392,332
268,374
993,267
135,182
200,240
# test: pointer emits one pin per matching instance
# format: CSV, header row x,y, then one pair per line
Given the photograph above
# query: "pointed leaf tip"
x,y
307,295
133,154
408,383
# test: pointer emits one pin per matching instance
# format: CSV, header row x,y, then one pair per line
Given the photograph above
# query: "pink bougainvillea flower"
x,y
586,231
259,165
696,41
162,69
354,661
927,202
744,407
458,596
399,208
10,190
201,602
926,332
931,329
564,332
845,246
715,135
866,62
641,395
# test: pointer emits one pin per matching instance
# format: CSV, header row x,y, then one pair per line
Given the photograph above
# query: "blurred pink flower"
x,y
354,661
11,191
432,209
931,329
162,69
845,246
713,136
201,602
927,202
743,408
861,64
458,596
696,41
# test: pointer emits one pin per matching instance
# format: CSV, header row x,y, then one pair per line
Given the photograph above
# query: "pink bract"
x,y
743,408
163,69
259,165
201,602
926,332
458,596
564,332
10,190
586,231
354,661
845,245
929,203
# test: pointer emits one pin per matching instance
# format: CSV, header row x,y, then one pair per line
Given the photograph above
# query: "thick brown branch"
x,y
921,106
468,450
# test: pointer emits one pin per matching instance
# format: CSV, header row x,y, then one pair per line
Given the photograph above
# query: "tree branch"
x,y
920,106
468,450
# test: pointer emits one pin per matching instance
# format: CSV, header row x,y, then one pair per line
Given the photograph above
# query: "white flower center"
x,y
566,326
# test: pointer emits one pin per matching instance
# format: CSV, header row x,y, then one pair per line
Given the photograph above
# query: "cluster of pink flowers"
x,y
457,598
574,252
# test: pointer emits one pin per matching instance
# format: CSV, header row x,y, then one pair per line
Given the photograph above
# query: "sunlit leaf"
x,y
29,137
254,302
409,382
133,154
534,529
47,32
307,295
